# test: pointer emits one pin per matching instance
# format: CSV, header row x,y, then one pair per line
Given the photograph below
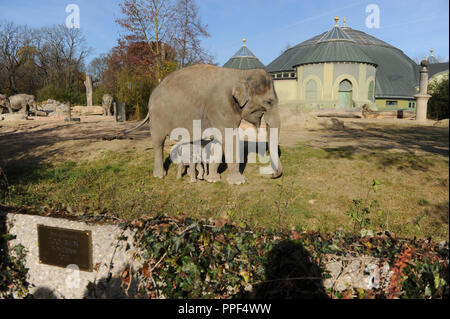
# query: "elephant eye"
x,y
269,102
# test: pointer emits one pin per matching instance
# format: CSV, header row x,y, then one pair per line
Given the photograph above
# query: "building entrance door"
x,y
345,100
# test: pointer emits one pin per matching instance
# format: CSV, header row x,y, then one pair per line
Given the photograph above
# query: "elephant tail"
x,y
147,119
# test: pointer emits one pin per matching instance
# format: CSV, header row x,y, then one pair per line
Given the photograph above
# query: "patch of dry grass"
x,y
315,192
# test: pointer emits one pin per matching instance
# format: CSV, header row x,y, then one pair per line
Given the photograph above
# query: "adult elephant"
x,y
218,97
23,103
5,104
107,102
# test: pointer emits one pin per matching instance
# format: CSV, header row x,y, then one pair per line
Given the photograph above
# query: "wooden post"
x,y
89,90
115,111
69,111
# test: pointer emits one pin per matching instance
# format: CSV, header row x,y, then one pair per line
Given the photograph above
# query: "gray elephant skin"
x,y
23,103
195,167
107,102
220,98
5,105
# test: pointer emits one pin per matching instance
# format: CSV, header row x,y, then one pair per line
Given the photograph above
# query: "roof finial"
x,y
431,51
345,20
336,19
244,40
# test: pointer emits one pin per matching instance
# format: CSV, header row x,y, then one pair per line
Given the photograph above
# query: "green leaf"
x,y
427,291
8,237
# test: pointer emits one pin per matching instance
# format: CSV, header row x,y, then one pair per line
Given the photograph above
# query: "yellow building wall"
x,y
401,104
328,72
363,85
292,91
286,90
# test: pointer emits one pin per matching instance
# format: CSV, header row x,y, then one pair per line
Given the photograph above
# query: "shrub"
x,y
438,104
186,258
50,92
60,94
98,95
134,90
13,273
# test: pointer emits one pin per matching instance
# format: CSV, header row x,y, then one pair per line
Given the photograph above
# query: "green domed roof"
x,y
397,75
335,51
436,68
335,46
335,33
244,59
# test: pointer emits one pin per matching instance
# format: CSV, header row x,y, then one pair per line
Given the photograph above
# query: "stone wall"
x,y
110,253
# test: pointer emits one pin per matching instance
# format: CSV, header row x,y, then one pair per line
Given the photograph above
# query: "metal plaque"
x,y
62,247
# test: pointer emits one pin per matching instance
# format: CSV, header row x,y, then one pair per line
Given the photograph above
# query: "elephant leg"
x,y
212,175
201,172
192,173
180,170
234,176
158,168
23,110
10,110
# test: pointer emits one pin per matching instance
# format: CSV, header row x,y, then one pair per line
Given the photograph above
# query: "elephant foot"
x,y
213,178
159,174
236,179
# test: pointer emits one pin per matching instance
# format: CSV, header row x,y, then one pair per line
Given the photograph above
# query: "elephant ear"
x,y
241,93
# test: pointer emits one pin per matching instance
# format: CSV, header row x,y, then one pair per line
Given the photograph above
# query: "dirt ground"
x,y
48,140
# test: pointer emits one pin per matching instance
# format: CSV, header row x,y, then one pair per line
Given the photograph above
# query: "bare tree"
x,y
61,54
189,31
31,59
151,21
286,47
97,68
15,50
424,56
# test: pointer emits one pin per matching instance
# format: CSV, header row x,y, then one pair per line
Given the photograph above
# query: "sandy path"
x,y
45,139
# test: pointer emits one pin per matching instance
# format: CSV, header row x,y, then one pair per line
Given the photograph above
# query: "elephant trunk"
x,y
272,119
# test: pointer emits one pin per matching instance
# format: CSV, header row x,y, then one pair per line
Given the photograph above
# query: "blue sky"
x,y
414,26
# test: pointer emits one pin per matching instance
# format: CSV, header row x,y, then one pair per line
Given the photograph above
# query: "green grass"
x,y
315,192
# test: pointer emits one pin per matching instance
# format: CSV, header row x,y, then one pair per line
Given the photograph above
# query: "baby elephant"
x,y
192,169
195,168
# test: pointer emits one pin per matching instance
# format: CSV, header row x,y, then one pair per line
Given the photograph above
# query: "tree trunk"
x,y
89,90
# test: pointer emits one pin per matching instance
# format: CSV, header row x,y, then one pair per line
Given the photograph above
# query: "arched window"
x,y
371,92
311,90
345,86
